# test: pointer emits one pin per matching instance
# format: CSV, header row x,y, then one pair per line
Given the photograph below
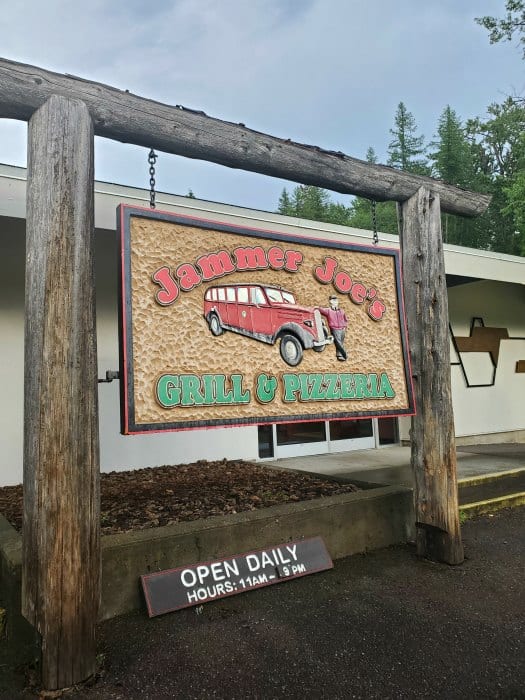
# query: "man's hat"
x,y
333,296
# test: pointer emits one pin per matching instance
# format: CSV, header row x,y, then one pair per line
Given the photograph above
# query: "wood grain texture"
x,y
121,116
61,543
433,455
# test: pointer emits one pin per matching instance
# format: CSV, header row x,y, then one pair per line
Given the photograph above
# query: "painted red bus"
x,y
267,313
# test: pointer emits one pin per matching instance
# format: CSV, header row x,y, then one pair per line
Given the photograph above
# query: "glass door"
x,y
300,439
351,435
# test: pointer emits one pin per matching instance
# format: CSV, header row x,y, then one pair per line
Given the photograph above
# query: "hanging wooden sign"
x,y
222,325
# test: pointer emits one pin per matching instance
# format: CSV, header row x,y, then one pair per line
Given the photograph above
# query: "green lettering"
x,y
239,396
332,389
305,388
191,394
386,388
208,383
168,391
361,386
347,386
373,386
222,396
291,387
316,393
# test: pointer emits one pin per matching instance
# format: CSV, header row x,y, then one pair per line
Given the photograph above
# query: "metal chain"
x,y
374,222
152,159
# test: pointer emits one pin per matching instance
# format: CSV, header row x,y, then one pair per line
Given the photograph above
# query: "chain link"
x,y
152,159
375,237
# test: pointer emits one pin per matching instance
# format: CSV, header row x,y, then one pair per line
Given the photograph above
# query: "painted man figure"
x,y
337,322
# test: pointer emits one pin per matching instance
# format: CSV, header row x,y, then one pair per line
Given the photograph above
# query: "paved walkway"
x,y
391,465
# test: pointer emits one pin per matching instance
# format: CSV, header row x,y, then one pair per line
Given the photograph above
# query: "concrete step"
x,y
490,492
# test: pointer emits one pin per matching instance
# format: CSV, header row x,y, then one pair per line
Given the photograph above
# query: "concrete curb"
x,y
491,505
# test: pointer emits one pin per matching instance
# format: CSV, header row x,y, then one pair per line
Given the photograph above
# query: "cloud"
x,y
327,72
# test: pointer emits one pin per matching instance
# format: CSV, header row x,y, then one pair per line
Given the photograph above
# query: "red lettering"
x,y
326,274
188,276
169,290
342,282
376,310
250,258
215,265
358,293
293,260
276,258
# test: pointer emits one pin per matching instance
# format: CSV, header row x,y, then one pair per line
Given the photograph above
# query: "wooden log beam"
x,y
433,449
61,542
125,117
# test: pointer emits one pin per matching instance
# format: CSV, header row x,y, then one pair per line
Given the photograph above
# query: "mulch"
x,y
152,497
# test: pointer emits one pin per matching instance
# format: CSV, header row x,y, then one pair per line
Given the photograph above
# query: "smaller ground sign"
x,y
166,591
223,325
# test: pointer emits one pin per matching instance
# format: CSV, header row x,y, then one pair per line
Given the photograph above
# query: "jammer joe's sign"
x,y
223,325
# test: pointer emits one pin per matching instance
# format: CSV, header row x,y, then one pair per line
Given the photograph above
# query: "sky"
x,y
324,72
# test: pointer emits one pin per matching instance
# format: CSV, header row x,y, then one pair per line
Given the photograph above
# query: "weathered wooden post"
x,y
433,456
61,543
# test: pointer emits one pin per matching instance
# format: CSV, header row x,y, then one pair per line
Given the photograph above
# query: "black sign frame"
x,y
129,423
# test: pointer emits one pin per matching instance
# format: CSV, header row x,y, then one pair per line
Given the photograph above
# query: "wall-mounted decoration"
x,y
222,325
482,339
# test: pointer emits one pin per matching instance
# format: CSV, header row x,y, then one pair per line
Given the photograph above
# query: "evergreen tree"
x,y
285,205
406,150
452,163
309,202
452,157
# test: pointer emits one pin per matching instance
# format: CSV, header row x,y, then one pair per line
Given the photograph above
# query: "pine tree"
x,y
285,206
452,157
453,164
314,203
406,151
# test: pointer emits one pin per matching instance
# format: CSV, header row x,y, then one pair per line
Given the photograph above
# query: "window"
x,y
257,296
350,429
222,294
297,433
242,295
274,295
230,294
214,294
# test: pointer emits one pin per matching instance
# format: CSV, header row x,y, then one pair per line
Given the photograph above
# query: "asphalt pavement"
x,y
379,625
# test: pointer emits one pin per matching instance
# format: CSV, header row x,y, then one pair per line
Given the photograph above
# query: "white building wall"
x,y
479,411
499,408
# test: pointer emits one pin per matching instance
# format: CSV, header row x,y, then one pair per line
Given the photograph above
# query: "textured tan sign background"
x,y
176,339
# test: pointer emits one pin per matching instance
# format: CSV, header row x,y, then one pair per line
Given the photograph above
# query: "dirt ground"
x,y
144,498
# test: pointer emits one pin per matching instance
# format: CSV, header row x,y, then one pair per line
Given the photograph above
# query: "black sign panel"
x,y
174,589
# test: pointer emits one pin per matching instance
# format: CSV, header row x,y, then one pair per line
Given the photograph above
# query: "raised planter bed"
x,y
372,518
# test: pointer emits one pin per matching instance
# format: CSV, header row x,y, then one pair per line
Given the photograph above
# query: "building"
x,y
486,294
